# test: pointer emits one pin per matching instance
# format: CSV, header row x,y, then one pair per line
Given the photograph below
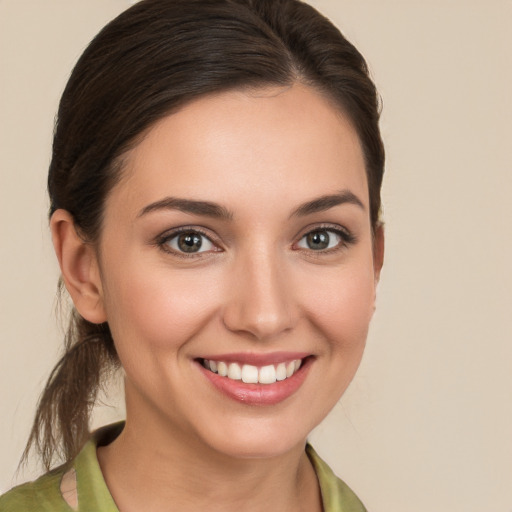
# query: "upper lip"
x,y
257,359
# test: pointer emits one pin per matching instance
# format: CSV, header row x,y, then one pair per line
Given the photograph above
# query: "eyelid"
x,y
338,228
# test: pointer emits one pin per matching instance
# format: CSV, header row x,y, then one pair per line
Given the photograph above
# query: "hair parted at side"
x,y
145,64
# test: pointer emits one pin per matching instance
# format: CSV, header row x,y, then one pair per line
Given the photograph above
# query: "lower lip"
x,y
259,394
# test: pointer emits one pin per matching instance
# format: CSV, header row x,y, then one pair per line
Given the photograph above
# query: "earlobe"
x,y
79,267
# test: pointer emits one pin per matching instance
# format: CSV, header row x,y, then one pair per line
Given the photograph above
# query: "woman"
x,y
215,197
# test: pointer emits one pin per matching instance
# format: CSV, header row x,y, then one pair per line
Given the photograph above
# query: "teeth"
x,y
267,374
281,371
250,374
222,369
234,371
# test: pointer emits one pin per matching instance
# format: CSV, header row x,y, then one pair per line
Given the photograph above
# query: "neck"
x,y
152,467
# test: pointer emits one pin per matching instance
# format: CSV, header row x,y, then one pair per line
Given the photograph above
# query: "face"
x,y
236,247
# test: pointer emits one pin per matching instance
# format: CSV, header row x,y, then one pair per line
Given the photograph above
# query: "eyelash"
x,y
346,239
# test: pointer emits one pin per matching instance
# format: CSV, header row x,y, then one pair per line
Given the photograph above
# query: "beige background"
x,y
427,423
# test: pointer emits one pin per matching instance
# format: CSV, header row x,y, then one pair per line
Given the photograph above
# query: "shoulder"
x,y
336,494
39,496
82,477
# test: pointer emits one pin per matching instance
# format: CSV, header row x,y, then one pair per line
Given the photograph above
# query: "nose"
x,y
260,301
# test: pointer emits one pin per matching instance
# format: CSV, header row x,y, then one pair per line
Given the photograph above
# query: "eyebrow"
x,y
214,210
205,208
326,202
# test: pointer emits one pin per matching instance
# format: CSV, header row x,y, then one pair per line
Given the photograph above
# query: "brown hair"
x,y
147,63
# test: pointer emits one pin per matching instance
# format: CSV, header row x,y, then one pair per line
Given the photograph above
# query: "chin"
x,y
261,438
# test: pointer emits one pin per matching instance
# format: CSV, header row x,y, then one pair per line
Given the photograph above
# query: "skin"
x,y
257,288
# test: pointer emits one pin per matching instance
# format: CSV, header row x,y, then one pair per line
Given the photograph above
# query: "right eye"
x,y
188,242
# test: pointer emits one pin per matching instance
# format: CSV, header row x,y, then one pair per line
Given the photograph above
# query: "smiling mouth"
x,y
249,374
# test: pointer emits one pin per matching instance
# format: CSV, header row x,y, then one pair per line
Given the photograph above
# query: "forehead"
x,y
237,145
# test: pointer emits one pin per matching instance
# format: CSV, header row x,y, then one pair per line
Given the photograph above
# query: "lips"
x,y
255,380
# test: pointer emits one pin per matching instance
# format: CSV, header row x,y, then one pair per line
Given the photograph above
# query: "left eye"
x,y
190,242
320,240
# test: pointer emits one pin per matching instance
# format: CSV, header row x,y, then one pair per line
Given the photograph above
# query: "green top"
x,y
44,495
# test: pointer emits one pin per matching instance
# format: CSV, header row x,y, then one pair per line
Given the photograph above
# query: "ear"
x,y
79,267
378,251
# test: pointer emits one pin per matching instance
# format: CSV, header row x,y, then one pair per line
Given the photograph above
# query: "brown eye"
x,y
190,242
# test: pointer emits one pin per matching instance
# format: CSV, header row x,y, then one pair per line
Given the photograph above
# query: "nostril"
x,y
258,325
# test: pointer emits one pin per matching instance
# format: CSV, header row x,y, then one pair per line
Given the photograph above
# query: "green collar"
x,y
91,487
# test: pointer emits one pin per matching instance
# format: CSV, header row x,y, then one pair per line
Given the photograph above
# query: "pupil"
x,y
189,242
318,240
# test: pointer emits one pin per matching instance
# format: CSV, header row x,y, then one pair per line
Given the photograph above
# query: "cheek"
x,y
339,311
343,306
158,307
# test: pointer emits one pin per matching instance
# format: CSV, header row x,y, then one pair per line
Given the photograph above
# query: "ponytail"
x,y
61,424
